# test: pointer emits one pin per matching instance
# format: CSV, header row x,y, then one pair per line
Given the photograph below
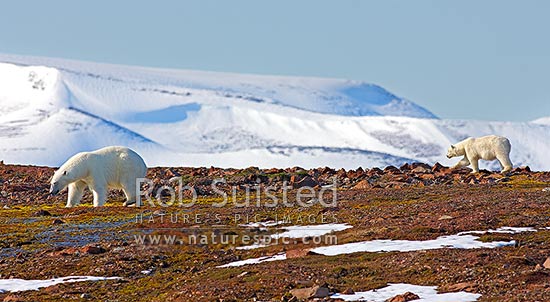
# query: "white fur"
x,y
489,147
100,170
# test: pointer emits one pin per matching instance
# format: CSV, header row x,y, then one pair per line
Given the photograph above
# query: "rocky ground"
x,y
40,239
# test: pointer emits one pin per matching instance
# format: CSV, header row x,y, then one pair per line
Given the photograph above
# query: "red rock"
x,y
310,292
405,167
470,179
361,185
293,169
348,291
375,171
93,250
251,178
327,171
408,296
392,170
427,176
66,252
307,181
421,169
439,168
273,171
524,169
401,178
189,192
416,165
171,172
355,174
293,179
341,173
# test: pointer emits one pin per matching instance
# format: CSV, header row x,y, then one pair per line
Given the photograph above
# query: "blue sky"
x,y
460,59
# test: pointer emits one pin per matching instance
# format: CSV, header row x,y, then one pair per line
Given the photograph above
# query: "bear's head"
x,y
59,181
452,152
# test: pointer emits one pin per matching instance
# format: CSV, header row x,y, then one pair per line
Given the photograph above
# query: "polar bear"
x,y
489,147
110,167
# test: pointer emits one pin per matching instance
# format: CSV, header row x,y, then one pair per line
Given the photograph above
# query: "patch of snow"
x,y
461,240
296,231
17,285
276,257
426,294
502,230
264,224
303,231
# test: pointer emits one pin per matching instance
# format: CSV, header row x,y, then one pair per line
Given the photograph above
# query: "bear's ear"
x,y
453,146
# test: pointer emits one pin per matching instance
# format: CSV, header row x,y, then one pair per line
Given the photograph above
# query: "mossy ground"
x,y
33,247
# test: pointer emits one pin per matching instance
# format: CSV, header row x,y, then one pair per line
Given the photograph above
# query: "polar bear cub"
x,y
489,147
110,167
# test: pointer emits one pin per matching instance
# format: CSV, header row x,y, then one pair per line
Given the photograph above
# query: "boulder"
x,y
438,167
310,292
93,250
361,185
408,296
421,170
307,181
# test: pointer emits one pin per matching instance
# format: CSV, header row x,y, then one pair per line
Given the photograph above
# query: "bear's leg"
x,y
129,188
76,190
475,165
505,163
100,195
462,163
130,192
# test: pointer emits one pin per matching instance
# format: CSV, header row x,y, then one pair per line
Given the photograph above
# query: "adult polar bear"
x,y
110,167
489,147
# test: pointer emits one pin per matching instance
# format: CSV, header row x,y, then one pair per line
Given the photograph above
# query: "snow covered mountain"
x,y
53,108
543,121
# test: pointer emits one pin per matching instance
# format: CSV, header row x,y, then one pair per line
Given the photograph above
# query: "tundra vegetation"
x,y
41,239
